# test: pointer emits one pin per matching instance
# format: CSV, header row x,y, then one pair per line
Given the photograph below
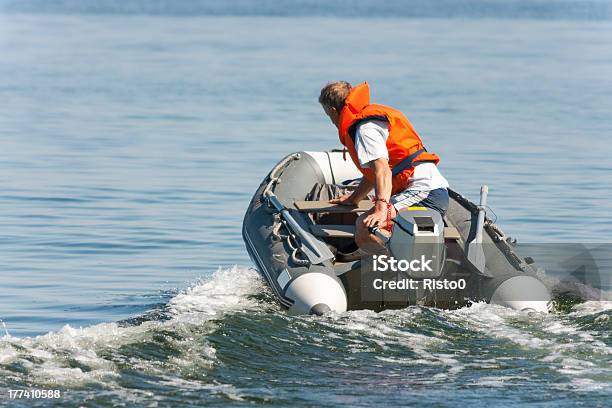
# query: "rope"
x,y
291,240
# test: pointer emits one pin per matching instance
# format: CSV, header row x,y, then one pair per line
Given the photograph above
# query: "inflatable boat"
x,y
302,246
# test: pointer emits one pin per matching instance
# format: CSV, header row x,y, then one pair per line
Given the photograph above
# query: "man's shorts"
x,y
435,199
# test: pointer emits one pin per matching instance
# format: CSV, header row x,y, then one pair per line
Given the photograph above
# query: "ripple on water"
x,y
201,338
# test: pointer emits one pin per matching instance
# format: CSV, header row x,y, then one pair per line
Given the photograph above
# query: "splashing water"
x,y
225,339
4,327
98,356
121,174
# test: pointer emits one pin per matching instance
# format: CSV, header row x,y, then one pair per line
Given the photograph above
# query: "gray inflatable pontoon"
x,y
294,237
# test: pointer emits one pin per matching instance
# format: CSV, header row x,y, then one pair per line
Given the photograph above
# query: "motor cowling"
x,y
418,233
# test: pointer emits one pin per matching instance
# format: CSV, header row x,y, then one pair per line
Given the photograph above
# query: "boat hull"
x,y
276,237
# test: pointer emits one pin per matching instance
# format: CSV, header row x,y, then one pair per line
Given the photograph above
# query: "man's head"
x,y
332,99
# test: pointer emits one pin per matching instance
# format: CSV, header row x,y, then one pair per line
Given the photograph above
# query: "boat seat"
x,y
348,231
451,233
333,231
326,207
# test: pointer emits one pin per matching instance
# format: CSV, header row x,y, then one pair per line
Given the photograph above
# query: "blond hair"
x,y
333,94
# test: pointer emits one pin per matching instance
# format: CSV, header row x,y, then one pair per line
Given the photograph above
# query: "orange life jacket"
x,y
404,144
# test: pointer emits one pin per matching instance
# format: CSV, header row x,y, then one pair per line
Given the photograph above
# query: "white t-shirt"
x,y
371,144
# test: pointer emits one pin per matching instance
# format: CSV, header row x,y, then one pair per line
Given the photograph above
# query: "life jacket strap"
x,y
409,162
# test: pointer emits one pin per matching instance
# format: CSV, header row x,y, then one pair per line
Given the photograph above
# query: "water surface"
x,y
131,142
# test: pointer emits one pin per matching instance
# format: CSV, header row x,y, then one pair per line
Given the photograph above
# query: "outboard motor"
x,y
418,233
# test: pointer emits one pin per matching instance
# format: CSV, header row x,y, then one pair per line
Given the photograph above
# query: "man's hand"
x,y
346,199
377,217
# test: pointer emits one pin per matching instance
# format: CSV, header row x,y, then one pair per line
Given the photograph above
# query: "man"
x,y
387,150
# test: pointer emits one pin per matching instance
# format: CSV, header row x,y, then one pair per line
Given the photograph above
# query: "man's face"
x,y
333,115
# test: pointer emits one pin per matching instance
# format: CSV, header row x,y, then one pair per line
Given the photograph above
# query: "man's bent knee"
x,y
365,241
361,232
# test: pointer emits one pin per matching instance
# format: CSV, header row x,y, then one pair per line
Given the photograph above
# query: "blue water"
x,y
133,134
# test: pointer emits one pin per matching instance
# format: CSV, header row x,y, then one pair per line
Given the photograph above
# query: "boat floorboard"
x,y
333,231
327,207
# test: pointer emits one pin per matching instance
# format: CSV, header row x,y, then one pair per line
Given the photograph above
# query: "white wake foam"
x,y
74,357
591,307
387,331
566,347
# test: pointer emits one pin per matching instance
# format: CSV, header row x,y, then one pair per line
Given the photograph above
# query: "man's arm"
x,y
370,143
382,187
365,186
